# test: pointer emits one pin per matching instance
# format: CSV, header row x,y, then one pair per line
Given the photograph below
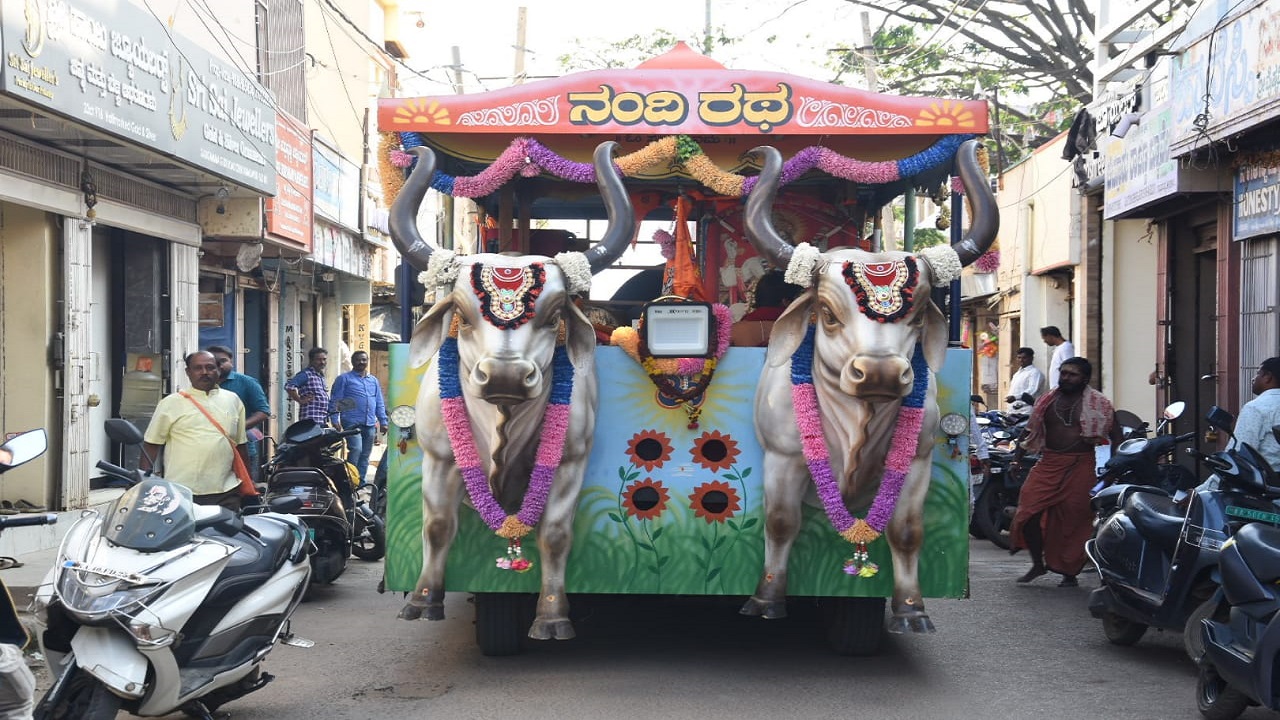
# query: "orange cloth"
x,y
686,277
1057,489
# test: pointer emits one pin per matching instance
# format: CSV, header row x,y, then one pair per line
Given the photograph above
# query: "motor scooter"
x,y
1140,462
308,464
1156,556
17,684
161,605
1241,646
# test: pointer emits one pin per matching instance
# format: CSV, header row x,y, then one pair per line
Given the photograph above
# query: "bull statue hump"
x,y
512,381
854,357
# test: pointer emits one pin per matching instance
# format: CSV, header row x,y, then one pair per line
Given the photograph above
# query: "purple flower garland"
x,y
527,157
902,451
555,423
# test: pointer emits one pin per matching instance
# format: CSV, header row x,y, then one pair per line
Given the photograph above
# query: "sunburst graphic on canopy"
x,y
947,113
418,112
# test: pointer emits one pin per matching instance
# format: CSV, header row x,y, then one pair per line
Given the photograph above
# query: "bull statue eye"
x,y
829,318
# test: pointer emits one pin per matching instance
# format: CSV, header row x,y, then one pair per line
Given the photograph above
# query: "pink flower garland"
x,y
897,465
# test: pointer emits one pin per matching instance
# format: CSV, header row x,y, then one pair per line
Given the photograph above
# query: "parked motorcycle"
x,y
17,684
162,605
996,493
1143,462
1241,645
308,464
1156,556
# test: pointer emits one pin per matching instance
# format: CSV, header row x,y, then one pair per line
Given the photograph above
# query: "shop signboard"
x,y
289,213
114,66
337,186
1257,201
1140,170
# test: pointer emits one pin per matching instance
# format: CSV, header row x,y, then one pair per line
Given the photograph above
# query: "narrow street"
x,y
1008,652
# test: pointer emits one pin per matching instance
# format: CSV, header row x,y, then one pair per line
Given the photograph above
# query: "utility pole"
x,y
522,15
706,30
867,53
457,69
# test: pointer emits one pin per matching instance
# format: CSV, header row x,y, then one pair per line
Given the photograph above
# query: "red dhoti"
x,y
1057,490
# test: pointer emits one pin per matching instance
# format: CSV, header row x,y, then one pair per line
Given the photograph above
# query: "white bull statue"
x,y
507,411
846,396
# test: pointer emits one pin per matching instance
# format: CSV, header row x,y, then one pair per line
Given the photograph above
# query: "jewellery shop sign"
x,y
112,65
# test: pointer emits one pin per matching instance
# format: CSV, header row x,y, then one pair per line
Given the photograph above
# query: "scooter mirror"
x,y
977,399
1220,419
1175,410
987,421
123,431
23,447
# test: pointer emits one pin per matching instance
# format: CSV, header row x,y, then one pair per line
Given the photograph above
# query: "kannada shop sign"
x,y
1257,201
289,213
112,65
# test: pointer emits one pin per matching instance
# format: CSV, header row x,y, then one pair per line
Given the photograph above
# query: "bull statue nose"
x,y
506,380
877,378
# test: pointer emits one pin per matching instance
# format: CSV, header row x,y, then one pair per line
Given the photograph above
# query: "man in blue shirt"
x,y
357,400
256,409
308,388
1259,414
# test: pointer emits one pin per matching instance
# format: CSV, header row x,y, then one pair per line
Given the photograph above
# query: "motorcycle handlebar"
x,y
116,470
349,433
1185,437
8,521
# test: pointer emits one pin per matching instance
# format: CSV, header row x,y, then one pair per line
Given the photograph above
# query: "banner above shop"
x,y
1141,172
1257,201
112,65
681,92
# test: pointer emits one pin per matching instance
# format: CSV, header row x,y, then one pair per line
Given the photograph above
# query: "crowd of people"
x,y
205,436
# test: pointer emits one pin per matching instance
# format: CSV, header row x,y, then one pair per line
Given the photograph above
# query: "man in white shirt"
x,y
1062,350
1027,379
1259,414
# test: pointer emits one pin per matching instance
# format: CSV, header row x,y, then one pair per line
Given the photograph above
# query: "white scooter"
x,y
161,605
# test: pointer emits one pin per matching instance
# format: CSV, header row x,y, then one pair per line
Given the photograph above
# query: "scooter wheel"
x,y
1120,631
1215,698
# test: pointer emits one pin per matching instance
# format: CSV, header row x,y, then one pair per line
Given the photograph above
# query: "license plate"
x,y
1251,514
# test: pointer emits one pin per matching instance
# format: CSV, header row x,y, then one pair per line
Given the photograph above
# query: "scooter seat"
x,y
1259,545
1157,518
252,564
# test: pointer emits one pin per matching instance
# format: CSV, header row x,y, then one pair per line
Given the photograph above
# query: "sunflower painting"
x,y
715,502
649,449
645,499
714,451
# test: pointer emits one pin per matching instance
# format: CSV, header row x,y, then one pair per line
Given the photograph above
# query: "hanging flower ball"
x,y
987,262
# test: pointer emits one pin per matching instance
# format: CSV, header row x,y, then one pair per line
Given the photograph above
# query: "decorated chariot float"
x,y
545,446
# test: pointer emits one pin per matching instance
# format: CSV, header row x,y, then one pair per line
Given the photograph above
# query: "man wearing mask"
x,y
356,398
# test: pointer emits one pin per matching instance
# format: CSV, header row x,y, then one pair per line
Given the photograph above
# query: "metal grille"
x,y
30,159
131,192
1259,323
285,68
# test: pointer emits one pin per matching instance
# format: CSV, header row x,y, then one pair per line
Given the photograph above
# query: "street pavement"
x,y
1009,651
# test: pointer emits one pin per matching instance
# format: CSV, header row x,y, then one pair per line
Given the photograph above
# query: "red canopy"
x,y
681,92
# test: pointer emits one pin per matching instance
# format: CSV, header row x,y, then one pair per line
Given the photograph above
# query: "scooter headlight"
x,y
93,598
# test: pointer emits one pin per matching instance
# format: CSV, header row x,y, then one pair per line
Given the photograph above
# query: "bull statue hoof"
x,y
910,621
552,629
767,609
431,611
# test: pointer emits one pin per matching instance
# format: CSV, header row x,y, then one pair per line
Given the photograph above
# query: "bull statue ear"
x,y
934,335
430,332
581,341
789,329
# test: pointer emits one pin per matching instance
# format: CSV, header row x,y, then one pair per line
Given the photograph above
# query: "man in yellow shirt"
x,y
196,453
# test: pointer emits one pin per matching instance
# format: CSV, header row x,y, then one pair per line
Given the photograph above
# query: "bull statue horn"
x,y
983,225
617,204
417,251
403,221
757,219
984,220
